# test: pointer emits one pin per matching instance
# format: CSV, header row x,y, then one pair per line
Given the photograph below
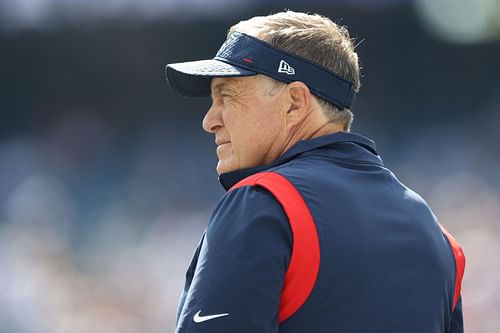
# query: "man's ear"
x,y
300,101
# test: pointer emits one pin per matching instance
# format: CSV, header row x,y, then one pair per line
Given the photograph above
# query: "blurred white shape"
x,y
461,21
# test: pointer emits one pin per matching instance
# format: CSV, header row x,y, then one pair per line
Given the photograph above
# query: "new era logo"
x,y
286,68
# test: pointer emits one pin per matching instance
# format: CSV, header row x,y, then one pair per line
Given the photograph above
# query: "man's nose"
x,y
212,120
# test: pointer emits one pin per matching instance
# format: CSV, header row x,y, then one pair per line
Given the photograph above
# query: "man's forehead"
x,y
219,83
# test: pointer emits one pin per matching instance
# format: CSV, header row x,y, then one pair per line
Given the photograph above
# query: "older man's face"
x,y
247,117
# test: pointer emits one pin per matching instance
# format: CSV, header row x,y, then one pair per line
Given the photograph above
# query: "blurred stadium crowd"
x,y
107,180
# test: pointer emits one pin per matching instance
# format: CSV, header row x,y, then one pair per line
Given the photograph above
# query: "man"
x,y
314,233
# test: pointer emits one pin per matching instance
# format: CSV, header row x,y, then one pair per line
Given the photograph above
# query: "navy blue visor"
x,y
243,55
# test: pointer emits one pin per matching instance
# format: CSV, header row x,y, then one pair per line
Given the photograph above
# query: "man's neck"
x,y
328,128
312,131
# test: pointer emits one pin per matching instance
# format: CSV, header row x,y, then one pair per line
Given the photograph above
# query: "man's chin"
x,y
225,167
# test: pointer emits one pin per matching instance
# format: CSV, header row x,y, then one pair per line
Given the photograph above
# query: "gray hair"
x,y
313,37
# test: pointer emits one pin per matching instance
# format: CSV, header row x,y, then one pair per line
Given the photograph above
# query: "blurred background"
x,y
107,180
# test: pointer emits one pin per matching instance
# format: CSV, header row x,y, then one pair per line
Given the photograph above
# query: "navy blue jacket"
x,y
385,266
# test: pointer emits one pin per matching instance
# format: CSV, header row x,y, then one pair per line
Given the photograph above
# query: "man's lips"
x,y
221,146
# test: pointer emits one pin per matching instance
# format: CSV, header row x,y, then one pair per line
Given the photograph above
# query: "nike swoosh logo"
x,y
200,319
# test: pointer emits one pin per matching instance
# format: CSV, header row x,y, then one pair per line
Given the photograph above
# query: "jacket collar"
x,y
229,179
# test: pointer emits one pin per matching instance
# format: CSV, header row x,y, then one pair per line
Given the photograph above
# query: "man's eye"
x,y
225,98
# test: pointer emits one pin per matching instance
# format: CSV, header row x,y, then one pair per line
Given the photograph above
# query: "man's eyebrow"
x,y
219,87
